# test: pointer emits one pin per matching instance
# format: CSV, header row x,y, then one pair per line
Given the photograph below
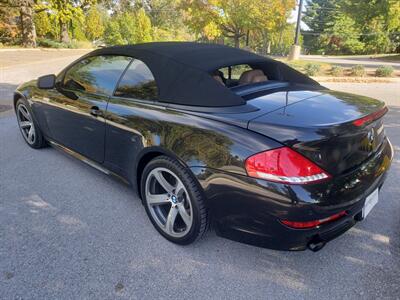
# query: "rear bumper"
x,y
248,210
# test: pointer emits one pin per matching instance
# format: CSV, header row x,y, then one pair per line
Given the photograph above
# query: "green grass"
x,y
304,66
316,68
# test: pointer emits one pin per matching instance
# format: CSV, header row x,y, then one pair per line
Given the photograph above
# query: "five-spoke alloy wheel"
x,y
26,124
168,202
173,200
29,129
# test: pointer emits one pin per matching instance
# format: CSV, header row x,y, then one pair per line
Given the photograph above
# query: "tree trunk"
x,y
236,38
27,25
64,35
281,47
264,35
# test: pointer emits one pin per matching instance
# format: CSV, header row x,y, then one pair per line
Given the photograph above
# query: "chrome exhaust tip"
x,y
316,245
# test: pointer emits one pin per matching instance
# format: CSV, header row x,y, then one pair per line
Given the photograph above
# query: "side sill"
x,y
87,161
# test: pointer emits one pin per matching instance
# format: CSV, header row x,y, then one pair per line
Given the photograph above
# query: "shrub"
x,y
384,71
337,71
312,69
80,45
47,43
358,71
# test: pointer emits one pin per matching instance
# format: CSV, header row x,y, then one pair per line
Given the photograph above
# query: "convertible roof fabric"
x,y
182,70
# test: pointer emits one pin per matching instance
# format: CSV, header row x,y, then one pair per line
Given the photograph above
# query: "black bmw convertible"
x,y
209,134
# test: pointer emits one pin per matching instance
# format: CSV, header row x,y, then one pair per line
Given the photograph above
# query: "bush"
x,y
358,71
384,71
337,71
47,43
312,69
80,45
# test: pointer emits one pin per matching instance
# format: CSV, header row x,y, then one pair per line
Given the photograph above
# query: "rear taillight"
x,y
314,223
370,118
284,165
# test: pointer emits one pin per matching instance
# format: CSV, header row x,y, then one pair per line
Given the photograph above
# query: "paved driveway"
x,y
69,232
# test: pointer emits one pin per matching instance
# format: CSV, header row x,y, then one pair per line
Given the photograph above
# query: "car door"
x,y
131,116
75,109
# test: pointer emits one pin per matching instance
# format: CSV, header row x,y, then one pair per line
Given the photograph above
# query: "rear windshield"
x,y
243,74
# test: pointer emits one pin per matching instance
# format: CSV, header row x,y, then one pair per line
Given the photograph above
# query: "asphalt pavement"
x,y
68,231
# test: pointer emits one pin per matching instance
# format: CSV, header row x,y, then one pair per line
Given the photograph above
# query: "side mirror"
x,y
46,82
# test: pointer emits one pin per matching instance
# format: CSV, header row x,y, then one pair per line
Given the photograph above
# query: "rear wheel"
x,y
29,129
173,200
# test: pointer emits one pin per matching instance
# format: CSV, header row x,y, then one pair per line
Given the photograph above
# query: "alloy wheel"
x,y
168,202
26,125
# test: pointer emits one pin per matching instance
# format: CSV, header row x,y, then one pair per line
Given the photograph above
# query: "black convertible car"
x,y
210,134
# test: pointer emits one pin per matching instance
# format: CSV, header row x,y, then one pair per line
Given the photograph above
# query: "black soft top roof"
x,y
182,70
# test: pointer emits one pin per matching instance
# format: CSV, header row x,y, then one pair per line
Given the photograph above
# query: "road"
x,y
68,231
371,63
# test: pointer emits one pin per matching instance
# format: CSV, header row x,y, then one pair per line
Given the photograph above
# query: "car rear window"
x,y
138,83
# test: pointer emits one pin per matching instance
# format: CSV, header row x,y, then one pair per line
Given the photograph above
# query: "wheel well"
x,y
16,98
142,164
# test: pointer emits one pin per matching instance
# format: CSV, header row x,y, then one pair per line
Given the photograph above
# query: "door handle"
x,y
95,111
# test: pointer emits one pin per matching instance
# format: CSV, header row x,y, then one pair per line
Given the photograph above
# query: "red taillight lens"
x,y
284,165
314,223
370,118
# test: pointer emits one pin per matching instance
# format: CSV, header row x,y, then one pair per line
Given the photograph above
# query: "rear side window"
x,y
137,82
98,74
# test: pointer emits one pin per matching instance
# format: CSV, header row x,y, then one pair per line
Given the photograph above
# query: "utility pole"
x,y
295,49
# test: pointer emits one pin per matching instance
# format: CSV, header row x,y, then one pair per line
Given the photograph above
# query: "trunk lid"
x,y
319,125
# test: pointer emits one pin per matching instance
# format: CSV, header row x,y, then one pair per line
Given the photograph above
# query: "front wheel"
x,y
29,129
173,200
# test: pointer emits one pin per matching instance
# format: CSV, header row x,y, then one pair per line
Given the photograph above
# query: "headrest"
x,y
248,76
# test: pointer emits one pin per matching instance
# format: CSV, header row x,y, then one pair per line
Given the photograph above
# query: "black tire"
x,y
199,217
38,141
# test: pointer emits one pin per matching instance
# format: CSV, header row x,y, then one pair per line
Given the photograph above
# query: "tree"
x,y
143,25
43,24
27,25
234,18
342,36
128,28
167,20
319,13
64,11
94,24
68,14
374,24
9,29
112,33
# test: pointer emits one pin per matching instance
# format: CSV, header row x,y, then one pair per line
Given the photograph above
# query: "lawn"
x,y
317,68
